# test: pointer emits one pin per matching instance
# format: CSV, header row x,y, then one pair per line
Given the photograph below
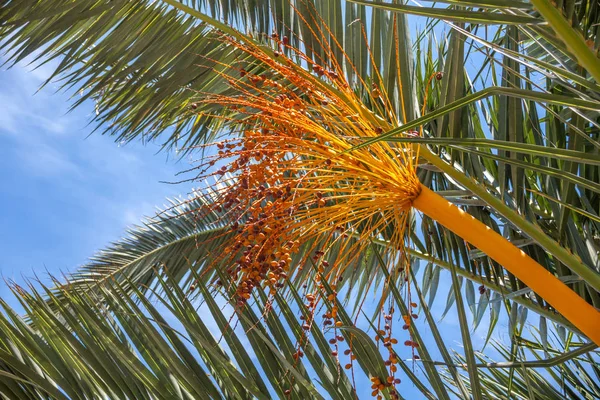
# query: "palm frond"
x,y
143,62
165,346
552,373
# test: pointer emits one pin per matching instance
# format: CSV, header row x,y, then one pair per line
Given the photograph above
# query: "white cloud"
x,y
8,115
44,160
43,72
17,112
133,215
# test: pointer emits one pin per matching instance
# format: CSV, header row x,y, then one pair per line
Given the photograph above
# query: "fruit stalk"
x,y
574,308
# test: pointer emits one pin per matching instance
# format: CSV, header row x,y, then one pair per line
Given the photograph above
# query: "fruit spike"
x,y
296,174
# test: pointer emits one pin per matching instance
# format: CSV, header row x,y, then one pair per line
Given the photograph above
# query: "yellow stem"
x,y
574,308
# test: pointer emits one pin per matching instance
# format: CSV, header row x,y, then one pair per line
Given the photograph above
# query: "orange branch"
x,y
574,308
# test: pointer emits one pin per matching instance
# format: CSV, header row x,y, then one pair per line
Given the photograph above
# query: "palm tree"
x,y
513,142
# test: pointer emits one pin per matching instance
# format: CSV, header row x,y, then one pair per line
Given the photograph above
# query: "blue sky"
x,y
66,194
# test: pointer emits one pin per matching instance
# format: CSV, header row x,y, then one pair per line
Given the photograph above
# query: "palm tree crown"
x,y
320,128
